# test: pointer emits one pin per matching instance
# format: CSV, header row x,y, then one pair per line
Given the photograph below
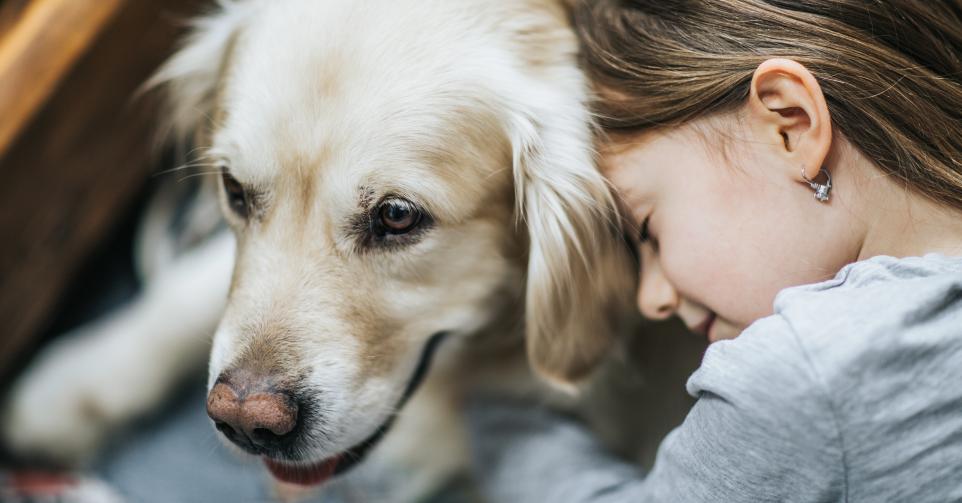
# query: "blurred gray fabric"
x,y
177,458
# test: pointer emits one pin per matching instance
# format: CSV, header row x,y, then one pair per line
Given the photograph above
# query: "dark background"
x,y
76,155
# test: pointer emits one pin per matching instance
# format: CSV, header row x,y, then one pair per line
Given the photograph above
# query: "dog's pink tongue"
x,y
310,475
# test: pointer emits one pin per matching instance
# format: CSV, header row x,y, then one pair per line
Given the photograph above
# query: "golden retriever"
x,y
402,177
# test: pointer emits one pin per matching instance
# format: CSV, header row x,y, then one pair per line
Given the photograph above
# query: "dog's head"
x,y
394,171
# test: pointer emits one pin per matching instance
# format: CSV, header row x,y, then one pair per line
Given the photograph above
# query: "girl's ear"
x,y
191,77
786,106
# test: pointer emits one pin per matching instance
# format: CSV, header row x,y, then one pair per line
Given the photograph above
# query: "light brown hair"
x,y
890,70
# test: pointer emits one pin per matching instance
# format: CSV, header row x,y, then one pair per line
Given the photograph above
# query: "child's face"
x,y
726,231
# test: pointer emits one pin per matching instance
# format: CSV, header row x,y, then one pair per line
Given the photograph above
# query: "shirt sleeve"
x,y
762,429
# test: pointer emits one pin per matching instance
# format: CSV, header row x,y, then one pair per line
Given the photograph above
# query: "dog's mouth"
x,y
304,474
318,472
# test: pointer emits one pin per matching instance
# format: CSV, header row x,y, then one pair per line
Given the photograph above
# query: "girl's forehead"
x,y
631,174
649,143
637,156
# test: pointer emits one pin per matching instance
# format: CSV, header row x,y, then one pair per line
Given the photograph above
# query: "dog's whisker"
x,y
186,167
199,162
204,172
205,151
194,175
199,157
214,444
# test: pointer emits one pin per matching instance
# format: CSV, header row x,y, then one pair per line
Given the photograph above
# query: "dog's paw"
x,y
60,409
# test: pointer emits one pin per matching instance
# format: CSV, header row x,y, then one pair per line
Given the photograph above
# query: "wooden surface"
x,y
10,13
38,49
80,147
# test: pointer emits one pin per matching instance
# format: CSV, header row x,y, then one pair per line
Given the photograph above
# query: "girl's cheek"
x,y
691,267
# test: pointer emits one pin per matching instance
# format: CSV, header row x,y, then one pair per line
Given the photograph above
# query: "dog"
x,y
414,212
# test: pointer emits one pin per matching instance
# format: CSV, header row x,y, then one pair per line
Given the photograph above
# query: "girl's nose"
x,y
657,297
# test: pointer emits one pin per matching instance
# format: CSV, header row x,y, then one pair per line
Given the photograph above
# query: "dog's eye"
x,y
236,196
398,216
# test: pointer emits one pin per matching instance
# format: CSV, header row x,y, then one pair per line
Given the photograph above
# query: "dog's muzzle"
x,y
265,418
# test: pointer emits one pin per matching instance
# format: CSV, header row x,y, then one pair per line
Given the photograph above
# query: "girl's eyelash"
x,y
643,232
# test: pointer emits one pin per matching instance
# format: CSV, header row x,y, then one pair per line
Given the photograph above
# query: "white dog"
x,y
401,176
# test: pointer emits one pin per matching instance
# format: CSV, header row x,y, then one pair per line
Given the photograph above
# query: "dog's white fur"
x,y
117,368
324,108
473,109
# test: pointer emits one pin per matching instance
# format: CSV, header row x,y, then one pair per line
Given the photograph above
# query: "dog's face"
x,y
375,157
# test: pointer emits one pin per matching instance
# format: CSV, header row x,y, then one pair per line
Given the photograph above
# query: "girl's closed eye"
x,y
645,235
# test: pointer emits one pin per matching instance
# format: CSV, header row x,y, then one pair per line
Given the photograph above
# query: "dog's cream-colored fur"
x,y
472,109
475,110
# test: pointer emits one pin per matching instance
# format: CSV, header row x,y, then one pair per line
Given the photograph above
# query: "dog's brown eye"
x,y
398,216
236,196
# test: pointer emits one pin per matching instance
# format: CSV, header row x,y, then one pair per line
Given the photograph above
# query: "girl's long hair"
x,y
889,69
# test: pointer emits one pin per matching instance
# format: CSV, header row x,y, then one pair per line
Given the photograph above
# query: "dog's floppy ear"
x,y
190,78
579,274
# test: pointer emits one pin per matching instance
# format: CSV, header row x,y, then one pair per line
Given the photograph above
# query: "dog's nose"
x,y
253,413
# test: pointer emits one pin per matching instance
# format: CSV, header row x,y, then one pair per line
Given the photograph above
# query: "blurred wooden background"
x,y
75,144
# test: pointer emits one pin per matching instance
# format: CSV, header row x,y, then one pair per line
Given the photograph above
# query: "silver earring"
x,y
822,191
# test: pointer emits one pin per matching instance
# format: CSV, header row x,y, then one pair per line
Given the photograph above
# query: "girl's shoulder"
x,y
883,320
877,305
862,367
882,272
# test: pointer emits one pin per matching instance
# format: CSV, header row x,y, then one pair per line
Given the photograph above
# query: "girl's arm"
x,y
762,430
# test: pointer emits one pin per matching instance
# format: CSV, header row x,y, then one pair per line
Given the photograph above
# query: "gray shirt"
x,y
850,391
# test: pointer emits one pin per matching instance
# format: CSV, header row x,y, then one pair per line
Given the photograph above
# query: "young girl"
x,y
759,145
